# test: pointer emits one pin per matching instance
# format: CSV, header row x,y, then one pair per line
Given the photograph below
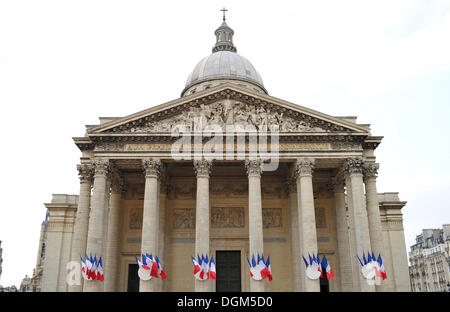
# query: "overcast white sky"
x,y
65,63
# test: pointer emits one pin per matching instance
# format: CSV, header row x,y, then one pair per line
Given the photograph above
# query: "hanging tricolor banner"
x,y
150,267
91,269
260,269
313,268
372,267
204,268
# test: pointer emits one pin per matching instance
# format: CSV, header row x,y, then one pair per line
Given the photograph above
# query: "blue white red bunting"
x,y
91,269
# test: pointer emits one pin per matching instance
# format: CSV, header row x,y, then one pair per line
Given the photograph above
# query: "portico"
x,y
228,170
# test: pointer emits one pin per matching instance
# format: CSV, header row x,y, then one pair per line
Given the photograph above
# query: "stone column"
x,y
343,237
255,224
96,233
298,268
354,169
80,232
105,224
112,255
306,216
373,213
150,218
202,216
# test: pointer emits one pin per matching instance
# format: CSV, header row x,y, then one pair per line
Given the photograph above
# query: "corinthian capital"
x,y
101,166
253,167
354,165
304,167
202,167
152,167
371,170
85,172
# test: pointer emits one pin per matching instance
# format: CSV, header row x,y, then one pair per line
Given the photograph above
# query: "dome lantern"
x,y
224,37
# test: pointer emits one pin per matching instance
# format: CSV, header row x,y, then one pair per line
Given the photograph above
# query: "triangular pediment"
x,y
224,105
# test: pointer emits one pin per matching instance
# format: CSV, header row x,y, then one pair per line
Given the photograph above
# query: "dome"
x,y
222,65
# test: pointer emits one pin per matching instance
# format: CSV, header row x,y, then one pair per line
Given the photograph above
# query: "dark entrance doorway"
x,y
324,282
133,278
228,267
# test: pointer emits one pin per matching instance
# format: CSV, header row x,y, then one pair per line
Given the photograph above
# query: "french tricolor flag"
x,y
197,267
262,266
152,265
100,276
212,269
269,270
381,266
144,264
329,271
88,267
160,269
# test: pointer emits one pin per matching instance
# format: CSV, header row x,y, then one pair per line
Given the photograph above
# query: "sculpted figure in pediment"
x,y
224,113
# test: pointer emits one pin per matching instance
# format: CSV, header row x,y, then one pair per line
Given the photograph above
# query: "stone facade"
x,y
430,261
290,181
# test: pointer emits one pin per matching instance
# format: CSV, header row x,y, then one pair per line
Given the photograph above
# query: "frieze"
x,y
272,190
227,217
228,189
183,219
136,147
345,146
271,218
113,147
182,190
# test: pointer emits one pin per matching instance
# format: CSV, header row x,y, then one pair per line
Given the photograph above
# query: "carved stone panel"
x,y
135,219
321,220
183,218
183,190
227,189
272,190
229,217
271,218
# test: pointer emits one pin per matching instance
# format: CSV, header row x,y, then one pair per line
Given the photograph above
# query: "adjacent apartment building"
x,y
430,260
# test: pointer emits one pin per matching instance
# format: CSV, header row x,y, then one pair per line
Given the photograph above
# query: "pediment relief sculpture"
x,y
243,116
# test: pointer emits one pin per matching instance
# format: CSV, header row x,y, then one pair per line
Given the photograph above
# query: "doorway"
x,y
228,267
133,278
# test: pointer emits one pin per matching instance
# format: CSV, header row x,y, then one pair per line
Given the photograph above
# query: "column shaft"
x,y
255,225
373,214
297,269
95,238
150,219
306,216
80,232
343,238
203,170
359,215
111,271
